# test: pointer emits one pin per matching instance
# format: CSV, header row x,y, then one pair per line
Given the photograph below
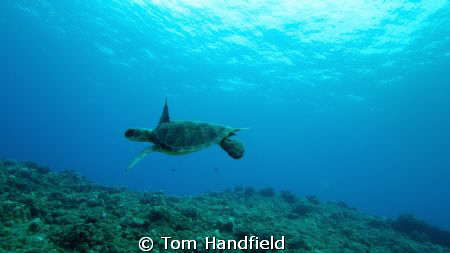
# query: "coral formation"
x,y
288,196
267,192
63,212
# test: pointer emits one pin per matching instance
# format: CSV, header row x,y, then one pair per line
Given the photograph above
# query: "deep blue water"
x,y
346,100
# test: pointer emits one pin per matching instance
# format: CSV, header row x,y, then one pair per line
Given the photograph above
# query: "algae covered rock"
x,y
420,230
35,225
288,196
267,192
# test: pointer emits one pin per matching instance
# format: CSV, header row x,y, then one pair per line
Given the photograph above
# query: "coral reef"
x,y
46,211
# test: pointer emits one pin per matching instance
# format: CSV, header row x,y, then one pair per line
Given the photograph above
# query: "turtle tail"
x,y
237,130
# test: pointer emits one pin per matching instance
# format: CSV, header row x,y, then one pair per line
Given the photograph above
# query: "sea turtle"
x,y
184,137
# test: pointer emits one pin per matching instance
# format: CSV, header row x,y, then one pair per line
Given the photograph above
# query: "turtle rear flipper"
x,y
139,157
234,148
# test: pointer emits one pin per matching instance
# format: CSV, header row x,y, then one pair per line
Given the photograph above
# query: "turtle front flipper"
x,y
234,148
139,157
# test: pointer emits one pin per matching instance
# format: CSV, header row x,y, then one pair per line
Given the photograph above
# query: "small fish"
x,y
173,170
216,169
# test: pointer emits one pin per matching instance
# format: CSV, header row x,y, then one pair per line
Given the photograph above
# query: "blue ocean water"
x,y
345,99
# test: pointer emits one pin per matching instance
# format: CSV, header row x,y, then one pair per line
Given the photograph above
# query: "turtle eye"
x,y
131,133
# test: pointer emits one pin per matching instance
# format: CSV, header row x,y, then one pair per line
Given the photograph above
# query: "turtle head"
x,y
139,134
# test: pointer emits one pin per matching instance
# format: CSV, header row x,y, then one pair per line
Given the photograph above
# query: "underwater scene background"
x,y
347,100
